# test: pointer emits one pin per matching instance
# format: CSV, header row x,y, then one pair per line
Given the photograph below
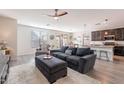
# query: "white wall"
x,y
24,38
8,32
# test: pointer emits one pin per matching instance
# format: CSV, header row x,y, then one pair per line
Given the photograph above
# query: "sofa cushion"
x,y
82,51
63,49
73,50
73,59
68,52
62,56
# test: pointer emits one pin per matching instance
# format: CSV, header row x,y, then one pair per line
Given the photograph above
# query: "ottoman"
x,y
52,69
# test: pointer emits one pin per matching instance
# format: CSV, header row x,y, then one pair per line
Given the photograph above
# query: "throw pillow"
x,y
68,52
73,50
63,49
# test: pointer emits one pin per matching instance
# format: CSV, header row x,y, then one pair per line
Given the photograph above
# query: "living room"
x,y
86,40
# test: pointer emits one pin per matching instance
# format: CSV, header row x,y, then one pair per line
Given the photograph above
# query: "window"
x,y
35,39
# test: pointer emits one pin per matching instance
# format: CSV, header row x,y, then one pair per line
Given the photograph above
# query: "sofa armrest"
x,y
86,63
91,51
88,57
56,50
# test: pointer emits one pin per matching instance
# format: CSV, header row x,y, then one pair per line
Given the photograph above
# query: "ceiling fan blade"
x,y
57,14
63,13
51,15
48,15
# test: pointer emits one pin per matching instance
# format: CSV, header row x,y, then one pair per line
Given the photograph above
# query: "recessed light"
x,y
47,24
106,20
85,25
98,24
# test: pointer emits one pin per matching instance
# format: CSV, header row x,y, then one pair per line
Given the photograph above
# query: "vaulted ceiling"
x,y
72,22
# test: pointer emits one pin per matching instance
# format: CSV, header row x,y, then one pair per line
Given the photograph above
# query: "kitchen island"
x,y
104,51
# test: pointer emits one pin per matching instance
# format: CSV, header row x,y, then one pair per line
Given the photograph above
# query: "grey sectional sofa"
x,y
80,59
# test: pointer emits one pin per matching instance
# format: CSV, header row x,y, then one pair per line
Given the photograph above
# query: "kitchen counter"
x,y
108,49
103,46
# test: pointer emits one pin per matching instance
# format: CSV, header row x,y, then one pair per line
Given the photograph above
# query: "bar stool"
x,y
106,54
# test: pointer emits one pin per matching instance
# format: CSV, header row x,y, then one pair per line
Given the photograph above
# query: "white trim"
x,y
26,52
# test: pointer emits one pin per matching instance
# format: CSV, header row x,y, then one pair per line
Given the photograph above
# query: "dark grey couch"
x,y
81,59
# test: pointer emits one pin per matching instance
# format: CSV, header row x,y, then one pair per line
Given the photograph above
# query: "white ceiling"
x,y
72,22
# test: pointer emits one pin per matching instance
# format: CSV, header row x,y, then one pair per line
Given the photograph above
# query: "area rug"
x,y
29,74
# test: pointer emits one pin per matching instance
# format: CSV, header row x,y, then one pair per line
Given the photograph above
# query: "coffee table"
x,y
52,69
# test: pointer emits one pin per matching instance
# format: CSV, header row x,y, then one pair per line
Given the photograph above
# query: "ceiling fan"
x,y
58,14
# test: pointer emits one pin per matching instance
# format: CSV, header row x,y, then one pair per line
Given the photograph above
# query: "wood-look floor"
x,y
106,72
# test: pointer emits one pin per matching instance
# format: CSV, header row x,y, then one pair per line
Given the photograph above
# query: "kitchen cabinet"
x,y
94,36
122,33
118,34
111,32
99,35
119,50
102,35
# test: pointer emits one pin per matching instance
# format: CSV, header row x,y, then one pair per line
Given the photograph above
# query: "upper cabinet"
x,y
96,36
102,35
118,34
122,33
93,36
99,35
111,32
